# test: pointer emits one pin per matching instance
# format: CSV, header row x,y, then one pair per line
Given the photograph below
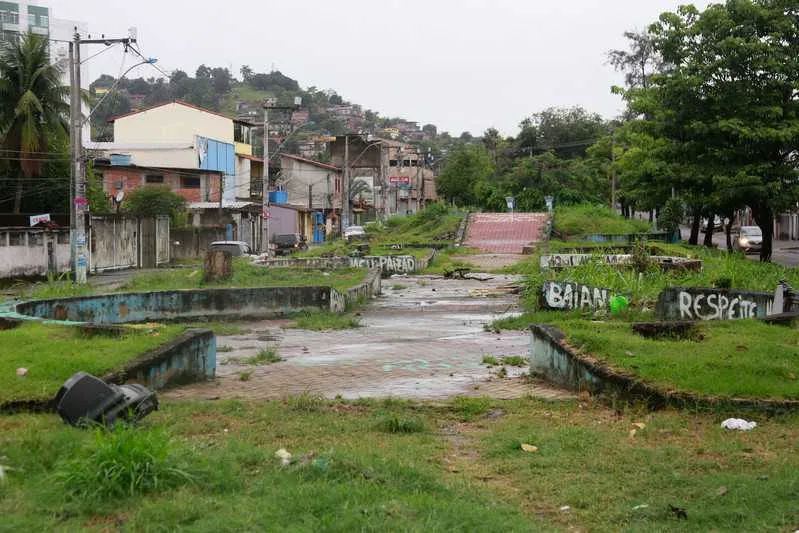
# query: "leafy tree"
x,y
466,167
246,73
335,99
640,61
34,110
154,200
492,140
113,104
430,129
566,130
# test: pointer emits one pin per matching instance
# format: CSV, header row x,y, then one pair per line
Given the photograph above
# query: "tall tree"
x,y
467,166
33,105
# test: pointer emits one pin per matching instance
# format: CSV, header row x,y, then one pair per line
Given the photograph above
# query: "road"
x,y
784,253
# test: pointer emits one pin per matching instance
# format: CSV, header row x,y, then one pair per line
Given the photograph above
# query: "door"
x,y
51,265
147,242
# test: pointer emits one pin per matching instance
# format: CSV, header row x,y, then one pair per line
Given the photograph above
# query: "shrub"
x,y
266,356
398,424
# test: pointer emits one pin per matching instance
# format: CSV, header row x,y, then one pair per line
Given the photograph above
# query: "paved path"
x,y
425,341
504,233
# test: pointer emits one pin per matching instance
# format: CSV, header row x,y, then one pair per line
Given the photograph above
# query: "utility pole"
x,y
269,103
72,119
265,184
419,180
613,170
78,203
345,187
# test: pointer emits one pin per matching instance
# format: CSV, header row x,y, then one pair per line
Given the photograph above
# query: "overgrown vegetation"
x,y
587,219
348,474
324,321
266,356
53,353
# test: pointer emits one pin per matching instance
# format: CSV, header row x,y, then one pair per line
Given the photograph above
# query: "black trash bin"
x,y
85,398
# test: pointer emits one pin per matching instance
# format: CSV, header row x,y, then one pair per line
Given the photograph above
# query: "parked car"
x,y
353,233
286,244
749,239
718,224
235,248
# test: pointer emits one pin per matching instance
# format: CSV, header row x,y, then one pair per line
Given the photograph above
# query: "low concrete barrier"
x,y
388,264
694,303
552,359
186,359
662,236
562,295
556,261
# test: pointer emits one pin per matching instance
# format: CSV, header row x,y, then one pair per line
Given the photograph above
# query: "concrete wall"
x,y
550,360
173,122
298,175
366,290
188,358
625,237
388,264
171,305
184,157
26,252
573,260
566,296
120,178
694,303
116,242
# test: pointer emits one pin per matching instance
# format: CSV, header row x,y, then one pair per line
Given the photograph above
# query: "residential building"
x,y
312,187
203,155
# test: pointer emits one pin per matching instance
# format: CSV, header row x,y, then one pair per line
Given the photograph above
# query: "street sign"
x,y
405,180
39,218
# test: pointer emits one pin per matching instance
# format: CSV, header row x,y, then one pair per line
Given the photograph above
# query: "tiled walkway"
x,y
504,233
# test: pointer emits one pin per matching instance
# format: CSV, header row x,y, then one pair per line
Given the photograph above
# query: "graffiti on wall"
x,y
713,304
563,295
401,264
573,260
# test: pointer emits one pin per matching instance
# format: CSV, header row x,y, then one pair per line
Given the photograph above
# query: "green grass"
x,y
449,259
400,424
586,219
349,474
324,321
266,356
514,360
743,358
53,353
490,360
398,287
246,275
435,224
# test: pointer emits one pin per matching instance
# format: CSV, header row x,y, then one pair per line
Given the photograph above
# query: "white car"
x,y
235,248
354,233
750,239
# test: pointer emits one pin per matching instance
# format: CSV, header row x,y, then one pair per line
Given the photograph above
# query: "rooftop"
x,y
179,102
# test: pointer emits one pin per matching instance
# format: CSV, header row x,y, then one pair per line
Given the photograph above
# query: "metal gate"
x,y
147,232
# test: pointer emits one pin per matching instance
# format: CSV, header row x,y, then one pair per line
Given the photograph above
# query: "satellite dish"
x,y
120,195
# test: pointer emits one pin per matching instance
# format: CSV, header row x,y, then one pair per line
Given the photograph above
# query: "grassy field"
x,y
53,353
245,275
585,219
745,358
397,466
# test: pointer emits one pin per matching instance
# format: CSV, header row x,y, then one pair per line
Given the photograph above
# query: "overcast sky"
x,y
464,65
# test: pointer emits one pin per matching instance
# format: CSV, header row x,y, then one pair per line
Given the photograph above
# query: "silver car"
x,y
749,239
235,248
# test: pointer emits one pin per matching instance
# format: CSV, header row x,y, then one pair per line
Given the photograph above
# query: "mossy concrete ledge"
x,y
554,360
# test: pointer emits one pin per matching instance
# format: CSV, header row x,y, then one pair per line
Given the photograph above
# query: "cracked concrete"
x,y
425,341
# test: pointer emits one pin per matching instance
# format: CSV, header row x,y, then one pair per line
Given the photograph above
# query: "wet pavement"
x,y
424,341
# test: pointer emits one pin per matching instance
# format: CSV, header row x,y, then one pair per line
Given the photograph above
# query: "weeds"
x,y
224,349
490,360
400,424
398,287
266,356
324,321
307,402
245,376
471,408
122,462
514,360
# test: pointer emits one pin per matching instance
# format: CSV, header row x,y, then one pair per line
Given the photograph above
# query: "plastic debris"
x,y
632,433
639,425
22,372
284,456
529,448
618,304
642,506
738,424
565,509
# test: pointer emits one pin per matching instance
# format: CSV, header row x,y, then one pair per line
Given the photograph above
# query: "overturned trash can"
x,y
84,398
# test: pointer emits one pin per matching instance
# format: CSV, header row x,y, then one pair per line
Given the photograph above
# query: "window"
x,y
406,163
36,239
392,163
63,238
16,238
44,21
338,184
154,178
190,183
9,17
414,162
3,239
241,133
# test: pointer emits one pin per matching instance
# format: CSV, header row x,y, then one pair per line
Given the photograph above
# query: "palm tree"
x,y
33,106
